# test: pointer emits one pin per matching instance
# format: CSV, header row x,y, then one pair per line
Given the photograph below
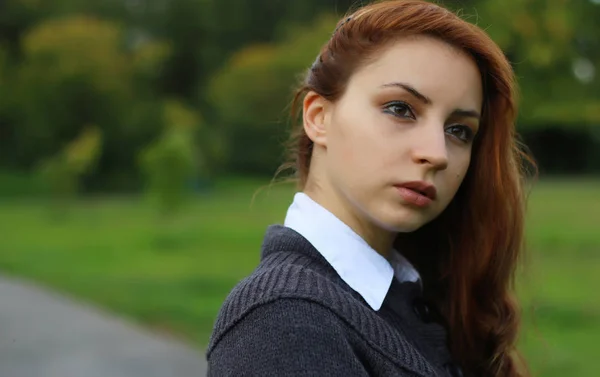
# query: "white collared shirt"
x,y
358,264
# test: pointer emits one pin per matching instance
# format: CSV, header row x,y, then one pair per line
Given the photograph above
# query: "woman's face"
x,y
408,116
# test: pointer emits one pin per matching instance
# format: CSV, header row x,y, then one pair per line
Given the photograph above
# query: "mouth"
x,y
422,188
417,194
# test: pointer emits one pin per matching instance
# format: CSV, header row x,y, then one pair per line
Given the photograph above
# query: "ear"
x,y
314,114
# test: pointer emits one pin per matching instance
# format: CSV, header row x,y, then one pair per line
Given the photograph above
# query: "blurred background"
x,y
138,139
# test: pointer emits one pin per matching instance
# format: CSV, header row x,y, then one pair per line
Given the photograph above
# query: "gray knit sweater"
x,y
294,316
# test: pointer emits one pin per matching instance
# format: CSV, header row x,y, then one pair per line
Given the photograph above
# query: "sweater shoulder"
x,y
286,337
285,275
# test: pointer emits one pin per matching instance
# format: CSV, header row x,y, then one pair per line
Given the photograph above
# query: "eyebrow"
x,y
426,100
421,97
466,114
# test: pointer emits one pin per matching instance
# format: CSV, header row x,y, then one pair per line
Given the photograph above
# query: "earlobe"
x,y
314,118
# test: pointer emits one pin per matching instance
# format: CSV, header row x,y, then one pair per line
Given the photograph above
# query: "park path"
x,y
43,334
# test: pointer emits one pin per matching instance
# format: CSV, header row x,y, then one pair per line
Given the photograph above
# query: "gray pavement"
x,y
43,334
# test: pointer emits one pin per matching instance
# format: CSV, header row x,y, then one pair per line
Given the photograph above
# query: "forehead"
x,y
435,68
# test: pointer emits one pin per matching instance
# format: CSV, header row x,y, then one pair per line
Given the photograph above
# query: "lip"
x,y
419,193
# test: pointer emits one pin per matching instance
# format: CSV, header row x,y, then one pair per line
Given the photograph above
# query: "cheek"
x,y
360,144
456,174
345,154
352,140
459,174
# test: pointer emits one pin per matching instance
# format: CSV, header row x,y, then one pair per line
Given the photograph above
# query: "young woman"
x,y
397,255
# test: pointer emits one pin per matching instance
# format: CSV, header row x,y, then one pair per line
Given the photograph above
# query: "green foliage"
x,y
4,81
72,74
61,174
59,179
252,91
212,145
545,40
76,71
3,65
173,161
205,33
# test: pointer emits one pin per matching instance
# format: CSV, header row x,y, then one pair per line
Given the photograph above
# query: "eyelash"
x,y
402,104
468,132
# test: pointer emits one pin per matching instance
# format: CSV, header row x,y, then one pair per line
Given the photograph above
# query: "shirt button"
x,y
422,310
453,370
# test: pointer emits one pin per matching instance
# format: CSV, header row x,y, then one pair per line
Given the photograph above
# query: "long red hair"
x,y
468,255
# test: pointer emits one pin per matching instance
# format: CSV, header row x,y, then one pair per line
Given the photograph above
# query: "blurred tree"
x,y
18,16
77,71
61,174
4,103
81,155
172,161
204,33
252,91
555,51
555,48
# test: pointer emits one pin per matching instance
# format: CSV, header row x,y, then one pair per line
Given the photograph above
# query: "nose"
x,y
431,148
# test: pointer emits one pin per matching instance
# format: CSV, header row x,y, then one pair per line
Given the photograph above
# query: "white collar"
x,y
357,263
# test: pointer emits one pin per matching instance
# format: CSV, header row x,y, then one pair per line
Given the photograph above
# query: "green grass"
x,y
172,275
561,279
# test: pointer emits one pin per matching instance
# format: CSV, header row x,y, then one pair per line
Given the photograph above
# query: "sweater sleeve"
x,y
287,337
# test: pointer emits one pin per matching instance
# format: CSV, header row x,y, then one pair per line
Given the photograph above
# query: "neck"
x,y
379,239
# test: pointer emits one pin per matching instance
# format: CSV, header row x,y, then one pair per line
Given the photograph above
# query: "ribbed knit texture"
x,y
294,316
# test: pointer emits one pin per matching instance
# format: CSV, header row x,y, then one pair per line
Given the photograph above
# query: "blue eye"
x,y
400,109
461,132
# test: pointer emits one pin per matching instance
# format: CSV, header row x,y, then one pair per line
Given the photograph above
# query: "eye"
x,y
461,132
400,109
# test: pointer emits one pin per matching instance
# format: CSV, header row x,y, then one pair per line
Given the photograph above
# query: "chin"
x,y
405,224
403,221
406,227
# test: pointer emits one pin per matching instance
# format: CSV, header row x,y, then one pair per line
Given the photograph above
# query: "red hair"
x,y
468,255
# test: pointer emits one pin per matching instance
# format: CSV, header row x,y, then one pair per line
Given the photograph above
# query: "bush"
x,y
253,90
173,161
61,174
80,70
